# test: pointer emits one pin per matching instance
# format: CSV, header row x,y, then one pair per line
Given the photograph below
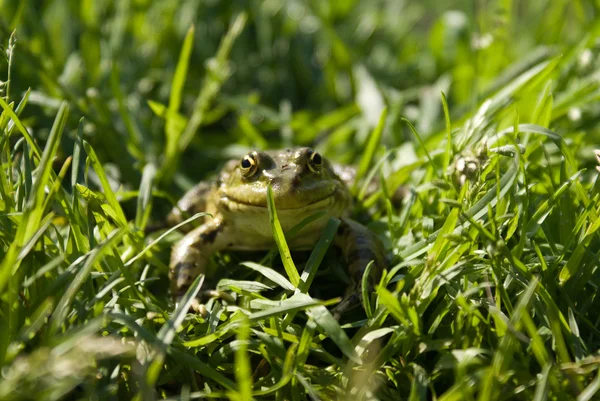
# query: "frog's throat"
x,y
235,204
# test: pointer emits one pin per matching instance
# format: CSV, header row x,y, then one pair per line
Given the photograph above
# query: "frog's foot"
x,y
182,275
198,304
198,307
211,294
191,255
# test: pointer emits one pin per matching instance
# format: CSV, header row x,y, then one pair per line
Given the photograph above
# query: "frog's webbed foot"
x,y
191,255
359,247
198,304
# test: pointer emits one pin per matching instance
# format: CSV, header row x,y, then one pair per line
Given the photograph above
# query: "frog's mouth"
x,y
237,204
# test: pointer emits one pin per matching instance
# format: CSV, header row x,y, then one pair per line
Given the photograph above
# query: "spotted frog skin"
x,y
303,183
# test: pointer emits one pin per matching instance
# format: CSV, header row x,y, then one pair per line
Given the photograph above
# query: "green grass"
x,y
485,112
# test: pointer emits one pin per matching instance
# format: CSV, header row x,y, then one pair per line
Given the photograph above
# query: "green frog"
x,y
303,183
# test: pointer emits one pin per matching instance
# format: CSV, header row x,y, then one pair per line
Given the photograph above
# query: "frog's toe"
x,y
183,276
225,296
196,306
199,307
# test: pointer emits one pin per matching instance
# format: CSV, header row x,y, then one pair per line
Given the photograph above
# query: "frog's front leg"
x,y
194,201
191,255
359,247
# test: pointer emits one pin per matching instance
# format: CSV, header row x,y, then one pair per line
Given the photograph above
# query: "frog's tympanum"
x,y
303,183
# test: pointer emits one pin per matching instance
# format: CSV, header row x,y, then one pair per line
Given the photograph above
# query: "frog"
x,y
303,183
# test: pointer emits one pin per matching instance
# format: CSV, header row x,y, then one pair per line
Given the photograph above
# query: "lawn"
x,y
484,113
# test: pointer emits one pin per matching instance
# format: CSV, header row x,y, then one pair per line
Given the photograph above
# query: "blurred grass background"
x,y
295,63
492,292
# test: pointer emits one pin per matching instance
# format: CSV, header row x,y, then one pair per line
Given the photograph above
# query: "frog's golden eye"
x,y
249,165
315,161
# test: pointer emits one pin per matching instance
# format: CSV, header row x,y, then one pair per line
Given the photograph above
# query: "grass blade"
x,y
271,275
317,255
324,319
371,147
243,374
171,128
166,334
144,201
108,192
284,251
60,313
35,203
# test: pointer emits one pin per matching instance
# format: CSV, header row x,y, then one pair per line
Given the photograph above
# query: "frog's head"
x,y
301,180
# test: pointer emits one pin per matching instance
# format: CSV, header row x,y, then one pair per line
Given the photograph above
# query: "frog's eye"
x,y
315,161
248,165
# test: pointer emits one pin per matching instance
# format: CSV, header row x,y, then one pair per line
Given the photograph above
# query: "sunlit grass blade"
x,y
171,127
368,180
27,173
448,152
62,308
56,186
297,302
476,211
373,142
317,255
34,206
166,334
366,290
421,143
43,226
287,372
180,356
9,111
284,251
242,372
543,110
557,139
144,204
403,315
217,73
504,355
271,275
108,192
591,390
324,319
44,169
315,259
544,209
538,73
178,121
